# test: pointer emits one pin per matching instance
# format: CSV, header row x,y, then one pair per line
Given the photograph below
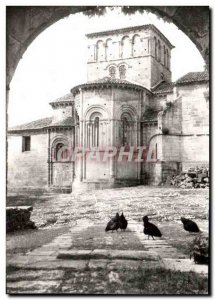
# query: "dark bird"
x,y
189,225
150,229
113,224
123,223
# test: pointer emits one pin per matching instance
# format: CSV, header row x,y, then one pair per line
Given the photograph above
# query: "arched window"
x,y
76,118
122,72
96,135
112,72
109,49
93,134
100,51
61,152
126,47
136,45
125,131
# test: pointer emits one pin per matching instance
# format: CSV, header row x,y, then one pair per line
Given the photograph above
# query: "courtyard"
x,y
70,252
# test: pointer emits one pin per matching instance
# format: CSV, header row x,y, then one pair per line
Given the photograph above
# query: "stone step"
x,y
184,265
34,275
108,254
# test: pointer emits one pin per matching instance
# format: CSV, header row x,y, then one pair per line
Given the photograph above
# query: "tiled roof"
x,y
38,124
193,77
42,124
164,87
108,81
64,123
66,98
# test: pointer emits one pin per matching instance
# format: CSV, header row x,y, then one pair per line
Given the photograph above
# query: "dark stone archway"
x,y
25,23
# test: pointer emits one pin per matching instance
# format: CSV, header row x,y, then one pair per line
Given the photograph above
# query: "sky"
x,y
56,60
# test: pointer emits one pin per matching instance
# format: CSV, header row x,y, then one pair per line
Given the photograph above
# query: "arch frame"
x,y
96,109
126,108
58,139
24,25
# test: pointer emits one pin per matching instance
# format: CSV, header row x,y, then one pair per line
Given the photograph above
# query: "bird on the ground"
x,y
150,229
189,225
113,224
123,223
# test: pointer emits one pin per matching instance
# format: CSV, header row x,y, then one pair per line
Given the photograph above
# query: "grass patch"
x,y
161,281
139,281
20,242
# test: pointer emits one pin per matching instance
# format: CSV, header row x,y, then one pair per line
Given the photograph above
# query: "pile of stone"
x,y
193,178
18,217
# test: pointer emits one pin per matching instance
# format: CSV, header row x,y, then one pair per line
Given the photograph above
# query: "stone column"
x,y
160,137
79,160
112,137
132,46
120,49
138,144
95,51
49,159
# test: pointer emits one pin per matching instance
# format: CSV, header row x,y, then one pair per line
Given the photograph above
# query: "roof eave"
x,y
9,131
192,82
108,85
62,126
61,102
123,30
163,92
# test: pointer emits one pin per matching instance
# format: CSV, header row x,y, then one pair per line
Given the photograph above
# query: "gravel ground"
x,y
77,222
55,213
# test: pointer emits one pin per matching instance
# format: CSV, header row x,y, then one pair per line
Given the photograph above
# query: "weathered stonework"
x,y
117,108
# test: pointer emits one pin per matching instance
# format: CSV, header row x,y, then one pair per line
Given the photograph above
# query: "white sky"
x,y
56,60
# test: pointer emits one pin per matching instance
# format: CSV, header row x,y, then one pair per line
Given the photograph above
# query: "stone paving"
x,y
72,261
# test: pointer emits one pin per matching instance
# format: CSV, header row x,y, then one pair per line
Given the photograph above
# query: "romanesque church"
x,y
129,100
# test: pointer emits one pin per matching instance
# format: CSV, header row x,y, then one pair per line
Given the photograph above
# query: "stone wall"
x,y
61,113
195,110
148,130
172,117
195,151
28,169
137,70
152,173
185,119
140,63
169,169
158,72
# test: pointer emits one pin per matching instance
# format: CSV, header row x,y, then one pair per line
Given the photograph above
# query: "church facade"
x,y
128,104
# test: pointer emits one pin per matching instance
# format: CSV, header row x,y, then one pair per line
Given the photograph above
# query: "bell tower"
x,y
140,54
